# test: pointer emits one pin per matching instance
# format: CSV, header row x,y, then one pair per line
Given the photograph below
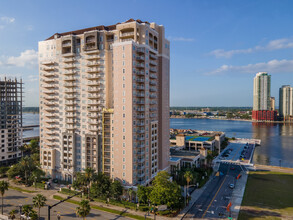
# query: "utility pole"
x,y
69,197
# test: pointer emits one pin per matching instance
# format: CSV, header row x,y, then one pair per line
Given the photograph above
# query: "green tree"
x,y
101,187
130,191
116,189
80,181
188,177
12,214
3,171
89,175
3,188
84,209
143,194
27,210
39,201
34,146
165,192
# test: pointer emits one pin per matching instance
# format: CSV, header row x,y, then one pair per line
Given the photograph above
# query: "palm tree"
x,y
84,209
130,192
27,209
12,214
3,187
26,163
89,176
189,177
39,201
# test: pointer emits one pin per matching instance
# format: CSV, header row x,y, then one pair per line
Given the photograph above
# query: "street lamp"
x,y
20,209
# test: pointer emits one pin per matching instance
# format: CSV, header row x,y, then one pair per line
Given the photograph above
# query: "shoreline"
x,y
233,119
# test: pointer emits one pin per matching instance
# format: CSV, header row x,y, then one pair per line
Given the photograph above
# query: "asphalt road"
x,y
13,198
217,194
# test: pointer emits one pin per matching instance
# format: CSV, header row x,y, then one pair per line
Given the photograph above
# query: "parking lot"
x,y
237,152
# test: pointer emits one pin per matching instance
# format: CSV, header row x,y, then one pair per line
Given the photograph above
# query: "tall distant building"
x,y
261,91
273,104
11,120
262,109
104,101
286,101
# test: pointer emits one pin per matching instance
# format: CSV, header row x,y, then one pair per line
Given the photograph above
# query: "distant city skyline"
x,y
217,47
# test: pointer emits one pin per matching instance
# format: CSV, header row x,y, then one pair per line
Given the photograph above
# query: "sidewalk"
x,y
194,197
237,195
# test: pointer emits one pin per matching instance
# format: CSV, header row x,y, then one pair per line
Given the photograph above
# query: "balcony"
x,y
70,91
140,109
90,50
152,56
140,116
94,83
140,73
70,115
153,115
153,109
141,160
153,96
48,63
92,90
94,103
140,131
153,89
140,138
50,80
49,86
69,84
140,50
93,70
153,76
70,109
140,87
49,68
140,58
52,92
140,102
140,124
94,63
69,60
127,34
94,116
70,72
153,69
140,80
92,57
153,83
70,103
140,95
140,146
68,54
94,109
70,78
51,74
94,96
69,97
153,63
140,65
153,102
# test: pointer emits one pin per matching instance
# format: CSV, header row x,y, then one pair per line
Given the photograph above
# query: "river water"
x,y
276,139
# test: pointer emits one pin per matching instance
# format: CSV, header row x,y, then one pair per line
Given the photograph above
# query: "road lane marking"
x,y
220,186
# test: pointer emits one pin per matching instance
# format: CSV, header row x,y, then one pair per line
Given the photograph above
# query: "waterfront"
x,y
276,138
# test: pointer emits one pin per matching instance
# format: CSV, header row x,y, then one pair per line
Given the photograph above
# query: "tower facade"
x,y
104,101
286,101
11,120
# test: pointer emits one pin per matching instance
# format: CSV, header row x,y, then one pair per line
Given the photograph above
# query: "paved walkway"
x,y
273,168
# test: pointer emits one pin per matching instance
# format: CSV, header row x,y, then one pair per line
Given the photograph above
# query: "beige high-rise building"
x,y
273,103
286,101
104,101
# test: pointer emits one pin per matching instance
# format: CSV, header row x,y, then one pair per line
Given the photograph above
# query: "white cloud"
x,y
273,66
7,20
29,27
278,44
28,58
33,78
181,39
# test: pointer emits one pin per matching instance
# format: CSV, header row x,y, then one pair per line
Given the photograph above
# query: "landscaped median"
x,y
117,212
268,195
21,189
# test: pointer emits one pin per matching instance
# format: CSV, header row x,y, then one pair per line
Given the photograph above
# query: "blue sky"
x,y
216,46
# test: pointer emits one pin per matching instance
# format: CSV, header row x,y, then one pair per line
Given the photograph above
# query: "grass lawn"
x,y
268,195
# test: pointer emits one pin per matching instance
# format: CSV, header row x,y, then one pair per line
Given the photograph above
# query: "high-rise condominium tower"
x,y
104,101
11,120
261,91
286,101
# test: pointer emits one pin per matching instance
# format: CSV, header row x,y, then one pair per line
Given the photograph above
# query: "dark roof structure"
x,y
98,28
